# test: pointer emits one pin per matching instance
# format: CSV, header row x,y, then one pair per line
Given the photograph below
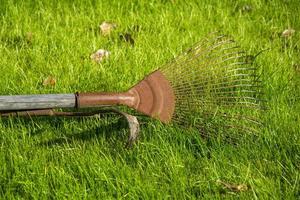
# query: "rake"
x,y
212,86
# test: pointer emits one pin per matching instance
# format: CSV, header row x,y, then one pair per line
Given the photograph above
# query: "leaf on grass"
x,y
287,33
243,8
127,37
49,81
247,8
234,187
100,55
106,28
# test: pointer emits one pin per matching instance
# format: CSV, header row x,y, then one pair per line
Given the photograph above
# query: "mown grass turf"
x,y
85,158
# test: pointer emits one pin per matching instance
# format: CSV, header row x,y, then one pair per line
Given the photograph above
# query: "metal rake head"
x,y
216,87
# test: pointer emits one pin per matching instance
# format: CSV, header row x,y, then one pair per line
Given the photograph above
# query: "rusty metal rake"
x,y
211,86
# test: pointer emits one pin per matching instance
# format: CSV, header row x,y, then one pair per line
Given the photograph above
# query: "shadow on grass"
x,y
113,129
104,130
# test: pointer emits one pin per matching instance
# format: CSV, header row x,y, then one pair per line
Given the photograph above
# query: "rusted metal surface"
x,y
152,96
87,100
155,97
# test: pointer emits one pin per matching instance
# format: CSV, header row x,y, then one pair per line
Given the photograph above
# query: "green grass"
x,y
85,158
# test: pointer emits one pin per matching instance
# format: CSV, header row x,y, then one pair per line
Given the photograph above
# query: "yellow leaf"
x,y
49,81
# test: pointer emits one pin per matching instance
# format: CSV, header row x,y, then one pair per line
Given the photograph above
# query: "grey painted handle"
x,y
40,101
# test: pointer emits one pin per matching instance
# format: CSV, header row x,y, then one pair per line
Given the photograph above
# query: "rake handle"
x,y
78,100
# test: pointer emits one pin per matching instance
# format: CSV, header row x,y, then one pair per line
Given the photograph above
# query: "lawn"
x,y
63,158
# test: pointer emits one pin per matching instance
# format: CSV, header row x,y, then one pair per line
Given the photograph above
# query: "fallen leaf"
x,y
247,8
100,55
49,81
234,187
127,37
107,27
288,33
243,8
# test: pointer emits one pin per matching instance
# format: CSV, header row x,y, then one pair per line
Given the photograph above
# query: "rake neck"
x,y
84,100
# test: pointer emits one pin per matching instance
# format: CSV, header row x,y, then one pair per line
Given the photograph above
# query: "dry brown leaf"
x,y
106,28
287,33
234,187
247,8
49,81
100,55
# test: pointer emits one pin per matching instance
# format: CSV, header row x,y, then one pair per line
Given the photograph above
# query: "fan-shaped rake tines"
x,y
216,88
